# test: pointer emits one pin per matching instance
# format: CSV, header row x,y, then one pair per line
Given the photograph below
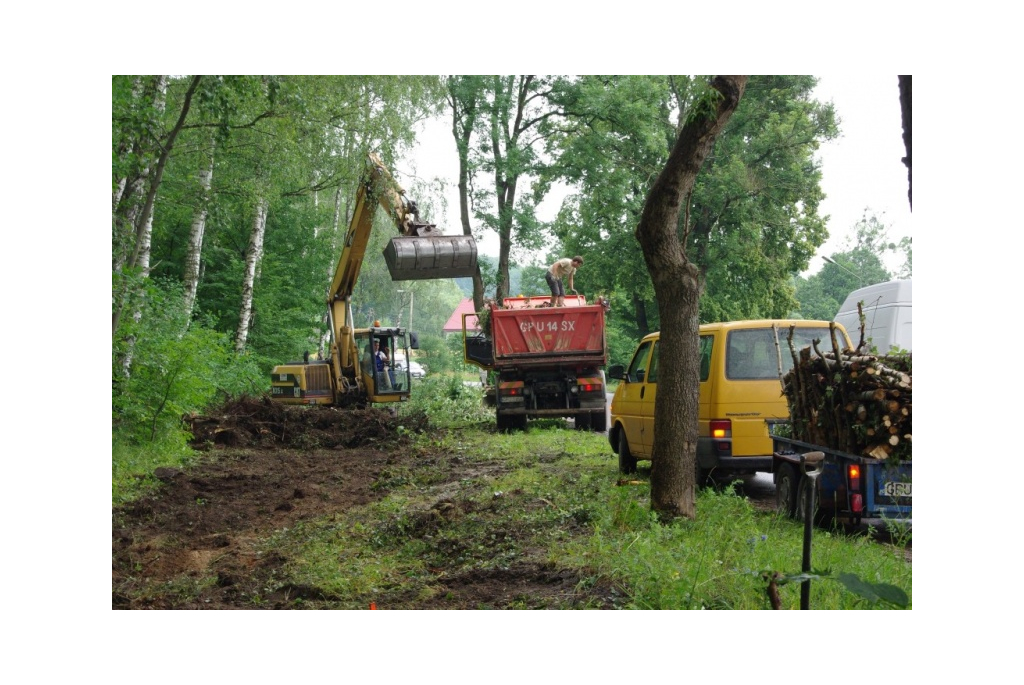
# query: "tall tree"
x,y
253,257
194,249
858,262
464,95
506,113
143,224
754,207
678,285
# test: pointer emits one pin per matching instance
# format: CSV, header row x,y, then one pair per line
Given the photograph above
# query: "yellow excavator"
x,y
351,375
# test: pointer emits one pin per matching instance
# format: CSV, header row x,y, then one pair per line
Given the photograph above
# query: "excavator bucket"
x,y
412,258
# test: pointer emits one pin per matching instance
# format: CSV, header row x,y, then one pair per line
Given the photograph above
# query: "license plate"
x,y
896,489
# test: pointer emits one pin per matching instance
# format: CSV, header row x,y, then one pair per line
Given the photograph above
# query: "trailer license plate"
x,y
897,489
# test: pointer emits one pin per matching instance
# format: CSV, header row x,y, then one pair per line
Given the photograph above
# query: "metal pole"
x,y
810,464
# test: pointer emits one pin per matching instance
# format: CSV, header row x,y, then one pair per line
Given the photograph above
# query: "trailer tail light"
x,y
853,476
721,428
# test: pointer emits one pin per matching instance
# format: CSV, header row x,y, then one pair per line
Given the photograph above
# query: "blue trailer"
x,y
849,488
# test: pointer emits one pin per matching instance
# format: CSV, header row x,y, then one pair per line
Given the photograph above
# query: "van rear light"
x,y
853,476
721,428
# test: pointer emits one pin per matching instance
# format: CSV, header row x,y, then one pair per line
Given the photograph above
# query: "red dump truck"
x,y
547,361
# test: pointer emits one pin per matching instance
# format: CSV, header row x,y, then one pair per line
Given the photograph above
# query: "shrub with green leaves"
x,y
163,368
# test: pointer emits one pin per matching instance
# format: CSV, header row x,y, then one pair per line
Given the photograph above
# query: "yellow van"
x,y
740,389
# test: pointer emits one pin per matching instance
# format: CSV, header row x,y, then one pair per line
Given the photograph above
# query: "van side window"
x,y
751,353
706,344
638,366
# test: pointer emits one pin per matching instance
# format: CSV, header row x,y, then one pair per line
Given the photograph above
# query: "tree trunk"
x,y
463,132
677,288
253,255
905,83
144,227
195,237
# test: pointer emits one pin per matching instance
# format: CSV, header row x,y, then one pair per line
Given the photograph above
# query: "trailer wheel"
x,y
703,476
627,462
786,488
801,504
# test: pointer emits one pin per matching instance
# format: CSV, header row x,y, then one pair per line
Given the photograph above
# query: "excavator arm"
x,y
420,251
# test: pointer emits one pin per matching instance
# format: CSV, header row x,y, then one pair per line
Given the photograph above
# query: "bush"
x,y
163,369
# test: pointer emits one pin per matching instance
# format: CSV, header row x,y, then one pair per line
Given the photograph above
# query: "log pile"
x,y
850,401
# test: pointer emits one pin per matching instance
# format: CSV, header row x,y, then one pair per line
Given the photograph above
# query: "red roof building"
x,y
454,323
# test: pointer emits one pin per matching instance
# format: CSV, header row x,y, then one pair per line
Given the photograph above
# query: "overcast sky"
x,y
861,169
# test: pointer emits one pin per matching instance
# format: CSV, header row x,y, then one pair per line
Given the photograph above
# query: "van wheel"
x,y
627,462
786,489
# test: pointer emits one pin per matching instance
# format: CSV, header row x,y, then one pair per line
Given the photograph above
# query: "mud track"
x,y
269,468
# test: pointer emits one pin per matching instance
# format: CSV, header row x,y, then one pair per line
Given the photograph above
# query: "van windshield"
x,y
751,353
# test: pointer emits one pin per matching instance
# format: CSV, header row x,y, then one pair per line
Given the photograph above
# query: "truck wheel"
x,y
504,423
786,486
599,422
627,462
582,422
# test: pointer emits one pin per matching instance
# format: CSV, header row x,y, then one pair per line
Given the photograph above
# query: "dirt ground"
x,y
274,467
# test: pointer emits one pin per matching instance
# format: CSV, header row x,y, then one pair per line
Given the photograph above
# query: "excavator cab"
x,y
378,347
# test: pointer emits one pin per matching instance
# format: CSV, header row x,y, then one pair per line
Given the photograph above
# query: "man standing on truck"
x,y
555,274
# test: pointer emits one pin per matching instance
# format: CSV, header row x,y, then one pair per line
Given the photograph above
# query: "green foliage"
x,y
858,264
754,210
173,370
448,401
435,354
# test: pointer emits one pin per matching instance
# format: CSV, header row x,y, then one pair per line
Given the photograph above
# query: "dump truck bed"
x,y
526,331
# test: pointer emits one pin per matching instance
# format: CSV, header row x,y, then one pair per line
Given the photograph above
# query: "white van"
x,y
887,308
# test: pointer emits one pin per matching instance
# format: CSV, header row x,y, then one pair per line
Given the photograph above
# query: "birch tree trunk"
x,y
195,237
144,228
677,286
128,195
253,256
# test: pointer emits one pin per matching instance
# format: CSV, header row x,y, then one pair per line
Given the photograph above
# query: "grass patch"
x,y
549,496
133,465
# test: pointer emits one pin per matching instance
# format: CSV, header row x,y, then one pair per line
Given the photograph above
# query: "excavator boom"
x,y
419,252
